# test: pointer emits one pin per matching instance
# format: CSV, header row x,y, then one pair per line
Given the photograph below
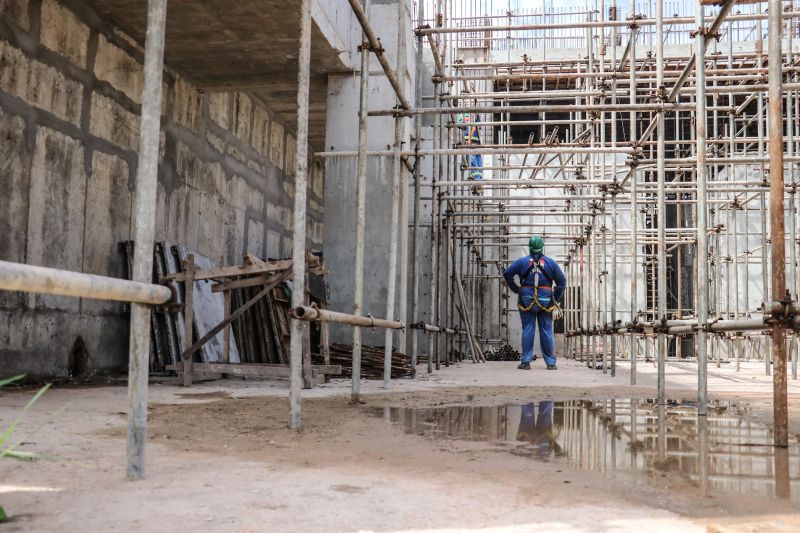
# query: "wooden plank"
x,y
169,318
233,271
274,330
264,332
243,283
307,384
233,316
171,265
258,332
226,344
187,320
208,311
257,370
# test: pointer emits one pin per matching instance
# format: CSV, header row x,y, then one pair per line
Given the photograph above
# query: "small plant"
x,y
9,449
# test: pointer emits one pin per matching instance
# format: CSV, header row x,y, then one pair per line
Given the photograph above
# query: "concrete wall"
x,y
70,99
340,197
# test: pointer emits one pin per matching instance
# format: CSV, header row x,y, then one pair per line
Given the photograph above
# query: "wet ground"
x,y
470,448
726,452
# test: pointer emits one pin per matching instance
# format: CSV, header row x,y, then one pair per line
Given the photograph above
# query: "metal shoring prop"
x,y
361,207
417,239
634,199
662,207
702,237
299,237
397,181
777,226
144,219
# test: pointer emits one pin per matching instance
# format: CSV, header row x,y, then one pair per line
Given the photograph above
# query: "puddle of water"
x,y
727,451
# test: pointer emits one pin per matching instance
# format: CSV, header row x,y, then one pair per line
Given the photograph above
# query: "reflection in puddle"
x,y
725,451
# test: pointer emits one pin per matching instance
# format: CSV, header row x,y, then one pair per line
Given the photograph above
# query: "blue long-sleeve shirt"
x,y
551,275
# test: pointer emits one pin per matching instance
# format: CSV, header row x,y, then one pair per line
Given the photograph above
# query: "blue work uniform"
x,y
551,285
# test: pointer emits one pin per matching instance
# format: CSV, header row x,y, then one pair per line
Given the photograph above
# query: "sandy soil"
x,y
220,458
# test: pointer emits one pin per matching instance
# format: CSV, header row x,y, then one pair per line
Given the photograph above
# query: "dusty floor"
x,y
220,458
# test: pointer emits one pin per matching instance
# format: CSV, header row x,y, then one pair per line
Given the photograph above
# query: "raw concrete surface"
x,y
220,458
70,100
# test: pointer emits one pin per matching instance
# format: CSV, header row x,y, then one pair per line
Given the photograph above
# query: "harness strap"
x,y
536,286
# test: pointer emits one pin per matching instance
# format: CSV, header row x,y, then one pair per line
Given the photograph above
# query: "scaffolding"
x,y
649,163
659,173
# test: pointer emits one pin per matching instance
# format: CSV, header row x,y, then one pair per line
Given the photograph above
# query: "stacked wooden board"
x,y
262,332
167,332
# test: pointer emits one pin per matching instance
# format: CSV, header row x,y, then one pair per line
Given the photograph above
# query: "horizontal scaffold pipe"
x,y
527,109
563,62
437,329
566,95
488,151
689,21
543,212
313,314
43,280
681,327
488,184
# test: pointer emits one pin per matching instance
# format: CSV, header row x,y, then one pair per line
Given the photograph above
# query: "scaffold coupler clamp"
x,y
418,31
372,322
172,306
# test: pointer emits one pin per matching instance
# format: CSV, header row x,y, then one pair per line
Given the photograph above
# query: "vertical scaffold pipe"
x,y
662,207
702,237
144,219
361,211
417,239
614,193
634,200
404,17
777,223
397,179
299,238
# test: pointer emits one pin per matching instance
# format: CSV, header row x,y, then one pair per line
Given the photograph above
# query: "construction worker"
x,y
472,137
541,285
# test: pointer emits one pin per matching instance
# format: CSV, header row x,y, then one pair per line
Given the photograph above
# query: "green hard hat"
x,y
536,244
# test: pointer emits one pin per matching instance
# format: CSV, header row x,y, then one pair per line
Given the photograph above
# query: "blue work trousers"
x,y
546,339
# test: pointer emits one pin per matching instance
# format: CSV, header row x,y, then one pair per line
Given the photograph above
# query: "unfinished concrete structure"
x,y
655,164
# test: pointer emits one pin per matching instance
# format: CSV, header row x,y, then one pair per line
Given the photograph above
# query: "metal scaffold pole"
x,y
777,223
361,211
662,207
702,209
417,237
634,352
299,218
144,219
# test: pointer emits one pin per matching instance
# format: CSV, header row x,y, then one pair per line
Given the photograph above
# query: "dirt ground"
x,y
220,458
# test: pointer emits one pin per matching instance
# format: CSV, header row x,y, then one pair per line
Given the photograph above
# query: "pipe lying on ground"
x,y
43,280
312,314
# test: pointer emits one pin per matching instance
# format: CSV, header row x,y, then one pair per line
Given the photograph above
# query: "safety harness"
x,y
536,287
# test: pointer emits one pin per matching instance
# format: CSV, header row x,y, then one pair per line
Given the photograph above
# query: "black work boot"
x,y
551,367
524,366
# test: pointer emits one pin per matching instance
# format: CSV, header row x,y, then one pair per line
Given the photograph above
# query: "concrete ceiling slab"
x,y
244,45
